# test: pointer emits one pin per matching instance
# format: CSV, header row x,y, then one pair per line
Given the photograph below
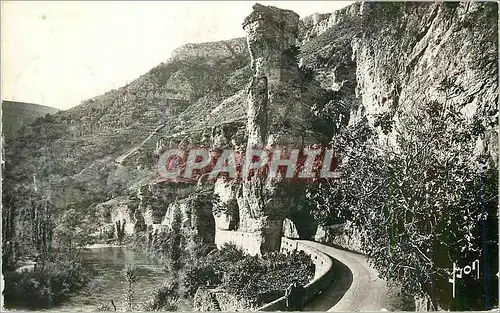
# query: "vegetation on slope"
x,y
16,114
414,184
257,279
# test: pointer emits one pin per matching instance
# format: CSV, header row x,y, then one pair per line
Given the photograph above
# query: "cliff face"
x,y
271,33
280,97
197,218
398,54
368,61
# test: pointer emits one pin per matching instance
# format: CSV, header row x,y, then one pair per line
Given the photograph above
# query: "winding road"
x,y
356,289
121,158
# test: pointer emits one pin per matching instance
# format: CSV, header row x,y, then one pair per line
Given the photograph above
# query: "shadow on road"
x,y
341,281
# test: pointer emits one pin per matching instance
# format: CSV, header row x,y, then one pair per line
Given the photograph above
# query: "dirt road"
x,y
359,290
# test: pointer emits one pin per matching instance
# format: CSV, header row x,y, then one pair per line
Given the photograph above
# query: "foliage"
x,y
175,248
140,223
164,299
256,278
418,201
120,230
131,277
47,285
196,276
75,229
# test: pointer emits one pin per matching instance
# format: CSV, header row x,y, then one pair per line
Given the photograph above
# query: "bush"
x,y
241,278
164,299
131,277
46,285
263,279
200,275
258,279
227,253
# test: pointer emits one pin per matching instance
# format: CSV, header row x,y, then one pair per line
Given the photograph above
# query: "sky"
x,y
59,53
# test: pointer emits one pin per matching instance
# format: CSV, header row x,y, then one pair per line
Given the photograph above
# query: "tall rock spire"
x,y
277,118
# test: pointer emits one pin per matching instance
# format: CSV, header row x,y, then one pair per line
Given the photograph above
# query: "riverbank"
x,y
45,285
110,284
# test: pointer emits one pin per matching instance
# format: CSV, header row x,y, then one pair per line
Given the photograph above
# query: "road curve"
x,y
365,291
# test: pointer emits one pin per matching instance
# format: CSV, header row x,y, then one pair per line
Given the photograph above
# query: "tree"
x,y
76,228
418,199
41,211
131,277
176,247
120,230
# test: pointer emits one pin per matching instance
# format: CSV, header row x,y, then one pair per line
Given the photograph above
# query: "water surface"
x,y
110,283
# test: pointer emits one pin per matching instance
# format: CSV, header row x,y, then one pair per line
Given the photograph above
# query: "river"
x,y
110,282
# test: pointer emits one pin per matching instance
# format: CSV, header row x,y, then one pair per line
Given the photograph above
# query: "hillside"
x,y
16,114
81,144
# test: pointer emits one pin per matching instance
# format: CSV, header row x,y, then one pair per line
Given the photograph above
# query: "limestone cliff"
x,y
396,54
367,61
280,97
197,218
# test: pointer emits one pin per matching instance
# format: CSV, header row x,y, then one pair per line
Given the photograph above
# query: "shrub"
x,y
242,276
46,285
131,277
164,299
200,275
227,253
258,279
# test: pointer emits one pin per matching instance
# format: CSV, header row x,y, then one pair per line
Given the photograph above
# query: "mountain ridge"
x,y
15,114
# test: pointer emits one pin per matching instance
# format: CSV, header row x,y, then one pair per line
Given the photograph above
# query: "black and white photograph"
x,y
167,156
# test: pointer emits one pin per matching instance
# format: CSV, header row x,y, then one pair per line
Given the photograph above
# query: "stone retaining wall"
x,y
322,276
249,242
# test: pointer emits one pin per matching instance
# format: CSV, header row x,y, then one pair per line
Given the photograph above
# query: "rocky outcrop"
x,y
118,210
316,24
277,110
226,210
196,218
278,116
289,229
343,235
281,100
407,53
216,50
